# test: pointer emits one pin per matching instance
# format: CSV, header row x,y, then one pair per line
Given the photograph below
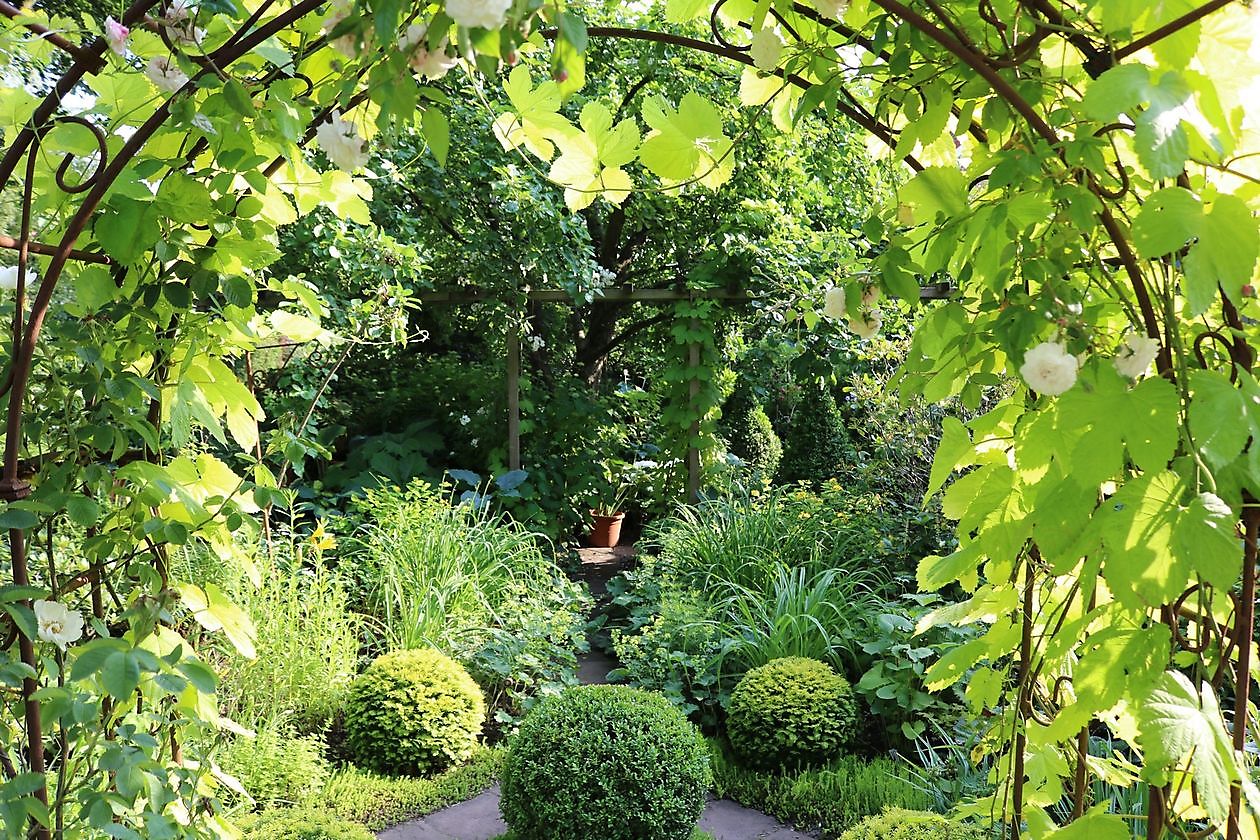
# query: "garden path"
x,y
479,819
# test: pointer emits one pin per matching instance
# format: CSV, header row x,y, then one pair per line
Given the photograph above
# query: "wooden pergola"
x,y
623,294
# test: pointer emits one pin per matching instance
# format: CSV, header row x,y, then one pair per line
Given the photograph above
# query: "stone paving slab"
x,y
478,819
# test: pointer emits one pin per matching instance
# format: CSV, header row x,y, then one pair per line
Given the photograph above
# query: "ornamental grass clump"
x,y
791,713
605,761
899,824
413,712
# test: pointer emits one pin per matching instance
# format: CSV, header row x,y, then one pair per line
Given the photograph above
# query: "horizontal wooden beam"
x,y
932,291
616,295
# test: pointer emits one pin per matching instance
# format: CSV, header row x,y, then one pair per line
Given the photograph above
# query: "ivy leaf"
x,y
1224,256
1161,138
681,11
687,143
1177,723
1168,219
1115,92
590,161
129,229
1137,524
533,121
215,611
937,189
1222,418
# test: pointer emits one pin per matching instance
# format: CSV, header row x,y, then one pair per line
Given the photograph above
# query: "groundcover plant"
x,y
1085,174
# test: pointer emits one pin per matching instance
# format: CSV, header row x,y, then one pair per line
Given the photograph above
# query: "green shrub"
x,y
277,767
414,712
791,712
817,446
605,761
751,436
301,824
827,799
899,824
381,801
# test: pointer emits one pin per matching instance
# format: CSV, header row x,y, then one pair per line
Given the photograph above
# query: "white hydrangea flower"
x,y
464,420
431,64
766,49
1049,368
871,295
165,74
833,303
116,36
833,9
1136,354
471,14
9,278
868,326
340,140
57,623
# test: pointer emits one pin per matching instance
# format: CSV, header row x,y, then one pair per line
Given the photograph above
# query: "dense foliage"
x,y
1083,174
605,761
413,711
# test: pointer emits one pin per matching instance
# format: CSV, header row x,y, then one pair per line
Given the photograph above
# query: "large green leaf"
x,y
1225,255
1169,219
1181,728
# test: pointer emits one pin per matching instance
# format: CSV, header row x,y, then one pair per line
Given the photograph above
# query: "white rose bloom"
x,y
766,49
165,74
866,328
9,278
833,304
177,12
486,14
347,44
833,9
431,64
870,295
1136,354
1049,368
341,142
57,624
116,36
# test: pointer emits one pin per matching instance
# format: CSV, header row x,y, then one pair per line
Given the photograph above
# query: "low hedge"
x,y
382,801
301,824
827,799
900,824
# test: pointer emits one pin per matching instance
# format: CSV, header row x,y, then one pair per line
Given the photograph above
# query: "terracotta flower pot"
x,y
607,529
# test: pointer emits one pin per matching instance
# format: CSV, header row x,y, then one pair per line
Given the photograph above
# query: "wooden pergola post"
x,y
514,397
693,451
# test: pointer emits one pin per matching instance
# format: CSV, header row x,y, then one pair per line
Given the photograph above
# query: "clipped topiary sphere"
x,y
605,761
899,824
791,712
414,712
301,824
